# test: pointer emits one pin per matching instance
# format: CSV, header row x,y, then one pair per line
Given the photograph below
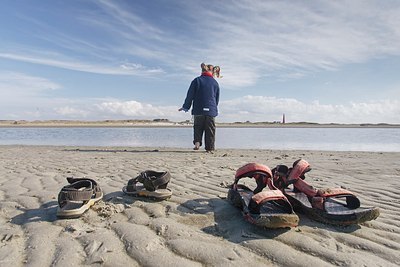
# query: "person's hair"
x,y
205,67
215,70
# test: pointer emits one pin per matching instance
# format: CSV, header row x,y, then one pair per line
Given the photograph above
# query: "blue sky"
x,y
315,61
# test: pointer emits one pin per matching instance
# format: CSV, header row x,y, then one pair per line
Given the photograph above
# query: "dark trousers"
x,y
204,124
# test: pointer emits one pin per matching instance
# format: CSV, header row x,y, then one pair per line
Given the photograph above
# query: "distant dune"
x,y
187,123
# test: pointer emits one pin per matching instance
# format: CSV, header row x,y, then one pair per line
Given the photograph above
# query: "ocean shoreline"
x,y
168,124
189,149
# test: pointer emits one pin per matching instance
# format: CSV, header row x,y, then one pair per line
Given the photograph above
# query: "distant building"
x,y
283,118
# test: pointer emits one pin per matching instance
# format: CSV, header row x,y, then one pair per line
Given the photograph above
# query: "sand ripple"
x,y
197,226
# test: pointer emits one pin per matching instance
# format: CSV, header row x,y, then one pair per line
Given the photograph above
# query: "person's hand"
x,y
180,109
184,109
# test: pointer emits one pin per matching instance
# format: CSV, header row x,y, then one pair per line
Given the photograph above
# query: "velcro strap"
x,y
80,190
151,180
331,192
72,180
352,202
267,196
90,183
132,184
147,182
75,195
161,179
299,169
250,169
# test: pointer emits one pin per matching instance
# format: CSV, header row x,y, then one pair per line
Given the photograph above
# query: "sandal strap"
x,y
131,186
318,201
296,175
261,173
250,169
95,186
331,192
75,195
79,190
72,180
151,180
268,196
156,179
275,196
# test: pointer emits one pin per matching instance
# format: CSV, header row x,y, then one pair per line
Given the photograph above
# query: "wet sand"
x,y
197,226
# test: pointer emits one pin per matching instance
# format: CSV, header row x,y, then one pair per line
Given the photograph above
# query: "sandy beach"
x,y
197,226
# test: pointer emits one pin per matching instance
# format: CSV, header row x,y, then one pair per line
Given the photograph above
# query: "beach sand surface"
x,y
197,226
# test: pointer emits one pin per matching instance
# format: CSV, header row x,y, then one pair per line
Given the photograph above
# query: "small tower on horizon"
x,y
283,119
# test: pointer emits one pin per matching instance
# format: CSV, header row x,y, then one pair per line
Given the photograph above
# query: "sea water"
x,y
335,139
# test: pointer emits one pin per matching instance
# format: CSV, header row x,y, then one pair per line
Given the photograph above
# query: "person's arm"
x,y
217,95
189,97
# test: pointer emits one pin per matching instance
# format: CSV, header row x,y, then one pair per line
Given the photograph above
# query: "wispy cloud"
x,y
250,39
70,64
286,36
136,24
14,85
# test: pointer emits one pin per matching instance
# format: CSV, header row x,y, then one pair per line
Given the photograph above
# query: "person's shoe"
x,y
210,151
196,146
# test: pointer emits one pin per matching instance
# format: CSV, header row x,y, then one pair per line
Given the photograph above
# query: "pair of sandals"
x,y
81,193
288,192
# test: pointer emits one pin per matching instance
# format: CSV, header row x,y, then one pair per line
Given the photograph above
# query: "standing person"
x,y
203,93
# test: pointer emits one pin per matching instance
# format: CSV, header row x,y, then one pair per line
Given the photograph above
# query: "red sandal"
x,y
335,206
270,209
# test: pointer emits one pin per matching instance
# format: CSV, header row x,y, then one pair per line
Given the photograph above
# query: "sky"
x,y
314,61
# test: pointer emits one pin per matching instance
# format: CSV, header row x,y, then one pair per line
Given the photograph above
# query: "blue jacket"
x,y
204,94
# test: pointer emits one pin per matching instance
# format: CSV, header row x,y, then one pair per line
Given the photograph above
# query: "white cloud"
x,y
137,110
261,108
247,108
128,108
71,112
